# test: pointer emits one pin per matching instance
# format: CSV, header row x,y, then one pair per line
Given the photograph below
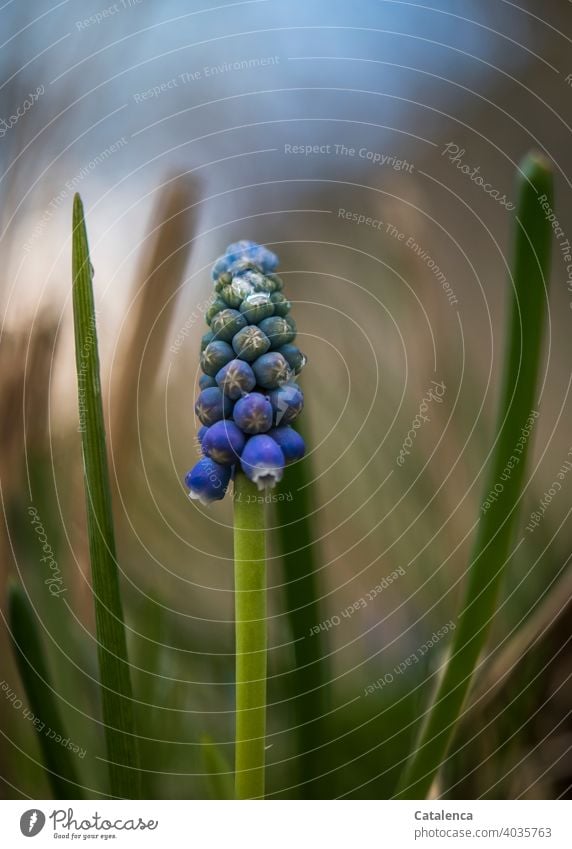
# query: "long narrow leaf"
x,y
117,703
503,491
58,759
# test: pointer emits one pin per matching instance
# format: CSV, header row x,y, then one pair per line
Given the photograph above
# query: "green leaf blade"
x,y
116,695
492,549
307,683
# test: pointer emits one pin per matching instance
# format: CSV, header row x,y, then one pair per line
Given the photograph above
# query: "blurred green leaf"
x,y
219,771
497,521
307,682
37,683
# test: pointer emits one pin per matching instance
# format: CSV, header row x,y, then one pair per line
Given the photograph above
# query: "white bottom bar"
x,y
287,824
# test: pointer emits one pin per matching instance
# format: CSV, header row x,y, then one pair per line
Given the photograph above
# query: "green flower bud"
x,y
250,342
294,357
292,325
221,282
276,281
230,297
234,293
282,305
217,305
257,306
256,279
278,331
227,323
241,287
271,370
216,355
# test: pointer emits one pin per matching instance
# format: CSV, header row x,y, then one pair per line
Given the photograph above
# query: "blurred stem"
x,y
115,681
33,669
250,623
493,542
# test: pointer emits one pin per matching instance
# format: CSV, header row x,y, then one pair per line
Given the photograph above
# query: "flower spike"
x,y
249,361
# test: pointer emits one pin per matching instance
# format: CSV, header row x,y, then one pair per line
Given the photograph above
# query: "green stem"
x,y
250,623
494,537
116,696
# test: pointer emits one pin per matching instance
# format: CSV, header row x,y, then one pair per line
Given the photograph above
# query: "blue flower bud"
x,y
271,370
287,402
290,442
239,266
215,356
294,357
208,481
207,339
253,413
250,342
227,323
257,306
241,248
212,405
236,262
264,259
201,435
241,256
205,382
220,268
236,378
223,442
262,461
281,305
278,331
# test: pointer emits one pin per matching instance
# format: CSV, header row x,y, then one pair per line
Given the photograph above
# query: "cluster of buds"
x,y
249,397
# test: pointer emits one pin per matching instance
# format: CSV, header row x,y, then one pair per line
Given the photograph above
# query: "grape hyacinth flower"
x,y
272,370
290,442
249,362
247,402
235,379
263,461
208,481
212,405
287,402
223,442
253,413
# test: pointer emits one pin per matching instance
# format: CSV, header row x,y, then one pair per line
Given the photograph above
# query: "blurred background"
x,y
335,133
